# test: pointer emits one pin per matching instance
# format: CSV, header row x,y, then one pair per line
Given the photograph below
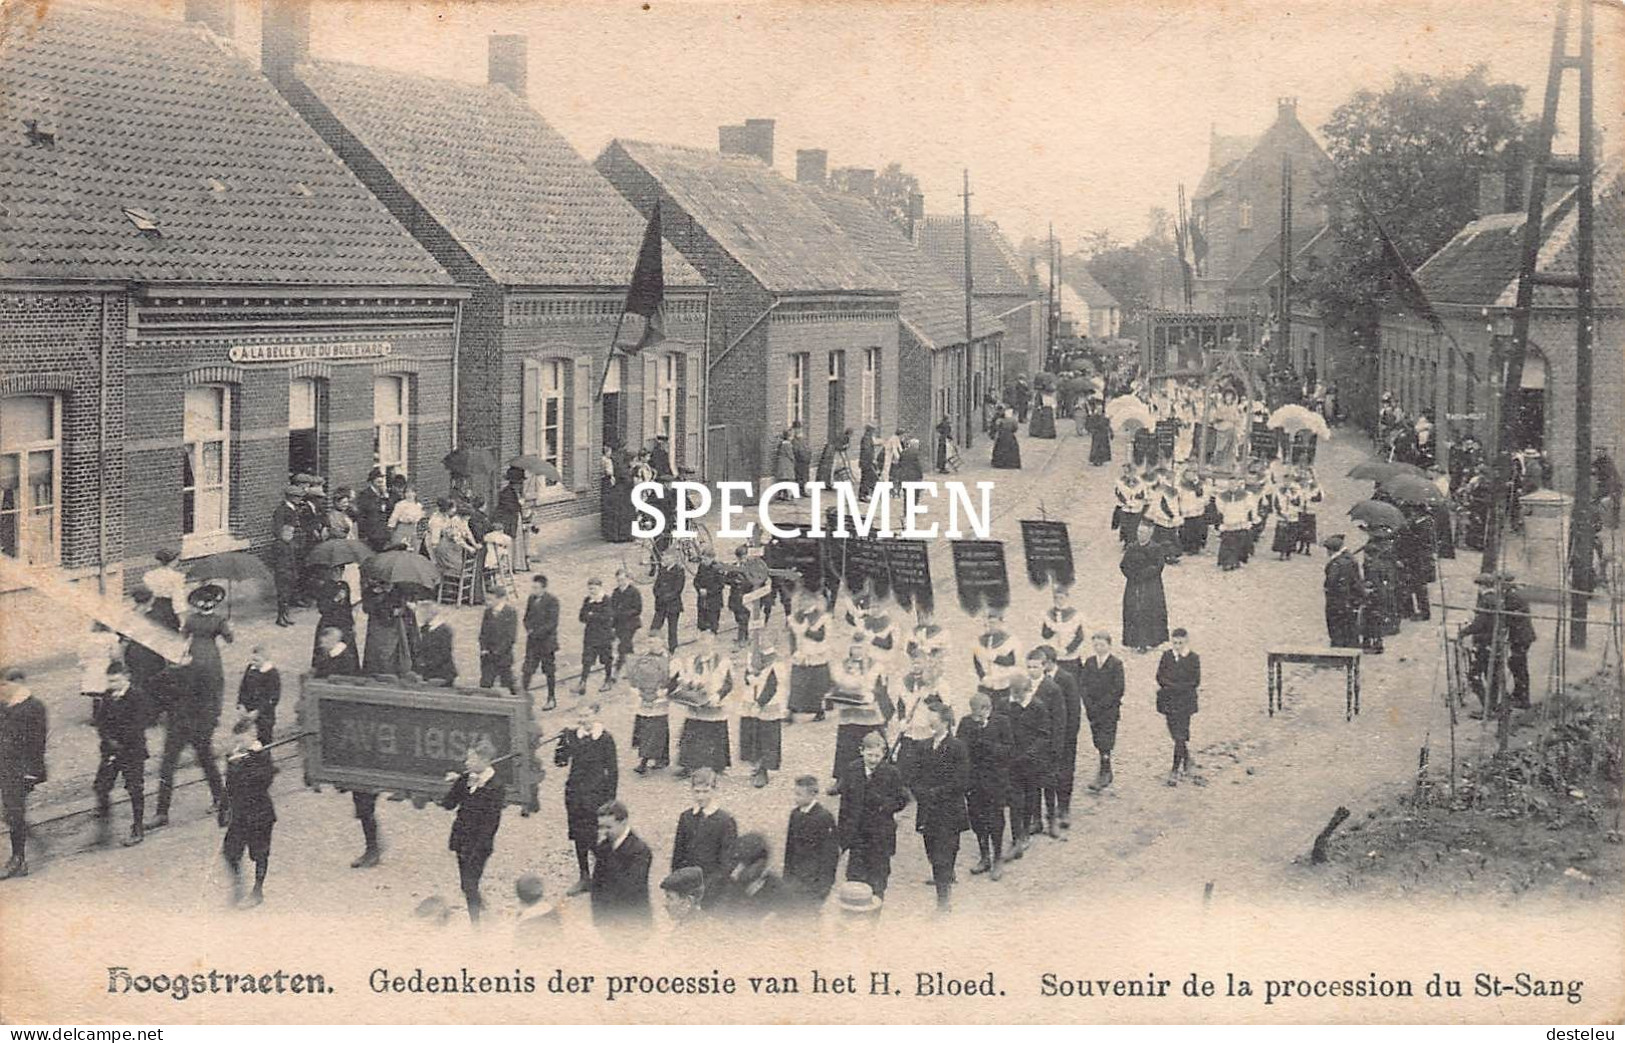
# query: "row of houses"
x,y
1448,368
219,268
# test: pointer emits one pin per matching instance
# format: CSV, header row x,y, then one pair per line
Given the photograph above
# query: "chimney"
x,y
284,37
1492,192
219,15
812,165
506,62
860,181
1286,109
759,134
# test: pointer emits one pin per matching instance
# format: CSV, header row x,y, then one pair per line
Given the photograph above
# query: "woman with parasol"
x,y
198,696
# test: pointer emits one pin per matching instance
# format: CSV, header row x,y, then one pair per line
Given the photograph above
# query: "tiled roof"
x,y
932,303
491,171
1479,266
1262,270
1082,283
995,267
763,220
160,119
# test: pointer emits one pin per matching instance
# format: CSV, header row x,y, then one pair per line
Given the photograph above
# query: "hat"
x,y
528,888
855,897
688,881
294,490
207,596
165,555
750,848
376,472
1334,541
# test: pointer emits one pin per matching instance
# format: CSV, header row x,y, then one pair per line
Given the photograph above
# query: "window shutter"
x,y
651,396
581,476
689,376
530,406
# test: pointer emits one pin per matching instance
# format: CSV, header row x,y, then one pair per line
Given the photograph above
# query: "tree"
x,y
1135,275
1411,156
893,190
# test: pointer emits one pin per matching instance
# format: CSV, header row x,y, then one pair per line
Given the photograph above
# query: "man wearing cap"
x,y
22,762
1497,597
620,875
754,892
871,793
589,752
812,851
1342,587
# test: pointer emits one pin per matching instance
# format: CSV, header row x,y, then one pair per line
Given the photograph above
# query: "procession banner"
x,y
866,564
980,575
1048,549
401,738
910,564
804,554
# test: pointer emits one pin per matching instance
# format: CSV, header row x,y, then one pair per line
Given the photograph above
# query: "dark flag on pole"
x,y
1411,294
647,294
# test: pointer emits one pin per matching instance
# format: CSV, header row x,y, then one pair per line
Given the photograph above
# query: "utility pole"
x,y
1584,577
970,352
1050,314
1283,327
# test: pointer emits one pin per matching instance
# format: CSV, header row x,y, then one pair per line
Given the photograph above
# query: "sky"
x,y
1085,113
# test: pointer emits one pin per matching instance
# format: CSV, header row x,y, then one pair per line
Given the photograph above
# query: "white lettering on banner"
x,y
364,349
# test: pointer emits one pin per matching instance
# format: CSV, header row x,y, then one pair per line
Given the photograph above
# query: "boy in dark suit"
x,y
1029,755
987,740
259,693
248,816
436,660
620,875
589,752
121,725
1102,693
477,798
871,794
22,761
541,638
1179,674
597,635
626,609
499,629
1050,691
709,583
940,816
811,849
668,595
705,835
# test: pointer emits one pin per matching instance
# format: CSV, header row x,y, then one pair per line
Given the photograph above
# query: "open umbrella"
x,y
231,566
1380,470
1294,418
1122,403
1130,424
466,462
1411,489
533,464
400,567
338,552
1375,512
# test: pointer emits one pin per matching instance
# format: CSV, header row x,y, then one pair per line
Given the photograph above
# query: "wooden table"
x,y
1345,659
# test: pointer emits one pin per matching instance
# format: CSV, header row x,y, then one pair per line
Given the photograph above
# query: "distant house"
x,y
1101,317
930,373
1472,283
544,242
804,327
999,283
1237,204
1255,290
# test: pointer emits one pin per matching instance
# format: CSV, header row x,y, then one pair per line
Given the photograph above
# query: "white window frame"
x,y
397,416
871,387
550,391
1244,215
25,508
666,415
795,388
197,437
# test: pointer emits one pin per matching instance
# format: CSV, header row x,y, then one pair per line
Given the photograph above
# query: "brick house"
x,y
1237,204
1318,349
999,282
544,243
797,307
930,372
1472,283
198,300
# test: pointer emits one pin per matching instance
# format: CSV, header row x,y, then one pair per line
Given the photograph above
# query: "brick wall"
x,y
161,366
50,344
916,386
